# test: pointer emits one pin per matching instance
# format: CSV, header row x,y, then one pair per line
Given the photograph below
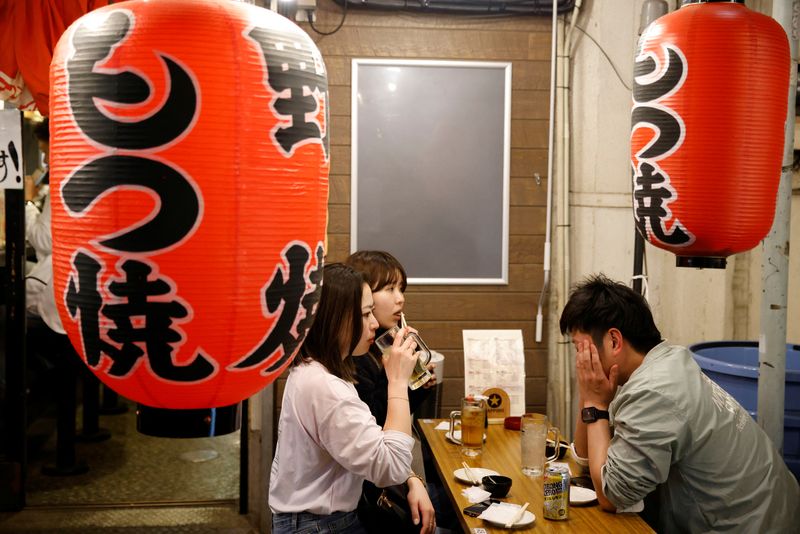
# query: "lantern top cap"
x,y
687,2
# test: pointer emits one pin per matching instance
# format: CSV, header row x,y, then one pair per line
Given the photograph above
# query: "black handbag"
x,y
386,510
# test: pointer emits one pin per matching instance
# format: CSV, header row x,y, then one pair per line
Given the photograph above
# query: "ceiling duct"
x,y
467,7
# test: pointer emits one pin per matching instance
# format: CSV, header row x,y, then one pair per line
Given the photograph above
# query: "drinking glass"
x,y
473,423
420,374
535,430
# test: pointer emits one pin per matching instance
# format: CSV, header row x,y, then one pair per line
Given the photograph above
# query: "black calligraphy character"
x,y
84,299
668,130
294,65
670,79
178,206
652,190
663,120
292,292
3,158
137,321
651,195
93,45
155,331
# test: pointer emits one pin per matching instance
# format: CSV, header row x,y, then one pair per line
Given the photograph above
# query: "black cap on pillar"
x,y
196,423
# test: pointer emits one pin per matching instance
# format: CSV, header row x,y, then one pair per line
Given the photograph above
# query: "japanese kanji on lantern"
x,y
709,107
189,168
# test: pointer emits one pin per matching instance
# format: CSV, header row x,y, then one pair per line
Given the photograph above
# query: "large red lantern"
x,y
189,193
707,130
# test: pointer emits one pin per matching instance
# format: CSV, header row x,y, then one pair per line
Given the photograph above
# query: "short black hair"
x,y
598,304
42,131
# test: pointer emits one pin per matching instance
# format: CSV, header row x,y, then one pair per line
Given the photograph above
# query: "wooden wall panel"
x,y
441,312
424,43
528,161
340,161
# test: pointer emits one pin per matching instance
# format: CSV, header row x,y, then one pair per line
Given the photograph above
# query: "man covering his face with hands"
x,y
651,421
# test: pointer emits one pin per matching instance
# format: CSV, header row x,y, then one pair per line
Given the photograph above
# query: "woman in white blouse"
x,y
328,441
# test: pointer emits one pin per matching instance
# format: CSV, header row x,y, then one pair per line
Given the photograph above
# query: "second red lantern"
x,y
710,98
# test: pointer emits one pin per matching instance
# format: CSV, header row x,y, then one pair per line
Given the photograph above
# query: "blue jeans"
x,y
306,522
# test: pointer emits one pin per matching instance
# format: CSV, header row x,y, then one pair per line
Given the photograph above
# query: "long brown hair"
x,y
337,323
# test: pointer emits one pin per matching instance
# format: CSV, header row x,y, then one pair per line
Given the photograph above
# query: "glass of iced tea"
x,y
473,424
420,374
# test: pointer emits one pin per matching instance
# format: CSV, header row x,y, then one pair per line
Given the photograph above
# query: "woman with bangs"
x,y
328,441
387,280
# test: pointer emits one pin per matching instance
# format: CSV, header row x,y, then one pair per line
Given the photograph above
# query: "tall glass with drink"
x,y
473,423
420,374
535,430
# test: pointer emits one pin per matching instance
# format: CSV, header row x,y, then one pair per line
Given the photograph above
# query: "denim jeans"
x,y
305,522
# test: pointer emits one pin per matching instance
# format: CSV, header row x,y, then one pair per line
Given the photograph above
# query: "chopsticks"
x,y
403,322
470,474
518,515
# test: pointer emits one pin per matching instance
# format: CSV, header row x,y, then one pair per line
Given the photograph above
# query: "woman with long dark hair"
x,y
328,441
386,278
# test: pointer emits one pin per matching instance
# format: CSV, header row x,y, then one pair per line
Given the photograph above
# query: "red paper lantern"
x,y
189,195
707,130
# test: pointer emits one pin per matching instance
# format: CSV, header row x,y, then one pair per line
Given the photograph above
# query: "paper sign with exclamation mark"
x,y
11,164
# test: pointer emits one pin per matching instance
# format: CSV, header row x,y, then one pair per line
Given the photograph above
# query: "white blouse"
x,y
328,443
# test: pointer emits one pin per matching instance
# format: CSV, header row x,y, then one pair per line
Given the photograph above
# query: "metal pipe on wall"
x,y
775,261
564,213
550,144
559,397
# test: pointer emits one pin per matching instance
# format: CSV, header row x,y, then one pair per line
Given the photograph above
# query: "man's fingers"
x,y
595,357
580,357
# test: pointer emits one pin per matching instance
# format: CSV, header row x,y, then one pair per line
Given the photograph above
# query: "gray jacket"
x,y
715,469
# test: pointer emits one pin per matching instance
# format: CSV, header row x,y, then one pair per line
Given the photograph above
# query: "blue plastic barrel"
x,y
734,366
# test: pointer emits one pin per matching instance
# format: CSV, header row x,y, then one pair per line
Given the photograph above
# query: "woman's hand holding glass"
x,y
432,381
400,359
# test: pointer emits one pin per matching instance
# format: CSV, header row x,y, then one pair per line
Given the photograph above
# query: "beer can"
x,y
556,493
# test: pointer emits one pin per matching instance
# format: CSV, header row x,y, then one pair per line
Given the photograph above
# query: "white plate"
x,y
579,495
527,519
457,436
479,473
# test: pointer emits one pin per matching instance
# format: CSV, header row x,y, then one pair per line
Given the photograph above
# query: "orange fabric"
x,y
29,31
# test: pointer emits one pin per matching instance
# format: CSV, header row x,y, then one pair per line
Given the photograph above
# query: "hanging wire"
x,y
646,288
613,66
339,27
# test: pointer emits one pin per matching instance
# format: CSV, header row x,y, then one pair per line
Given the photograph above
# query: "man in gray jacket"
x,y
668,428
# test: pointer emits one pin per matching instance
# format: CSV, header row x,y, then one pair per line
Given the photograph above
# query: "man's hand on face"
x,y
596,389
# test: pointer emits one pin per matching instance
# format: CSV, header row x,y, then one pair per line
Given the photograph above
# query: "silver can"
x,y
556,493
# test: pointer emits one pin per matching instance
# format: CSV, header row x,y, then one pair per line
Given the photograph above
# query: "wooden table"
x,y
501,452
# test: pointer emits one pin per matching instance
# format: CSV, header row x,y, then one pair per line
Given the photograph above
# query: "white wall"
x,y
689,305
